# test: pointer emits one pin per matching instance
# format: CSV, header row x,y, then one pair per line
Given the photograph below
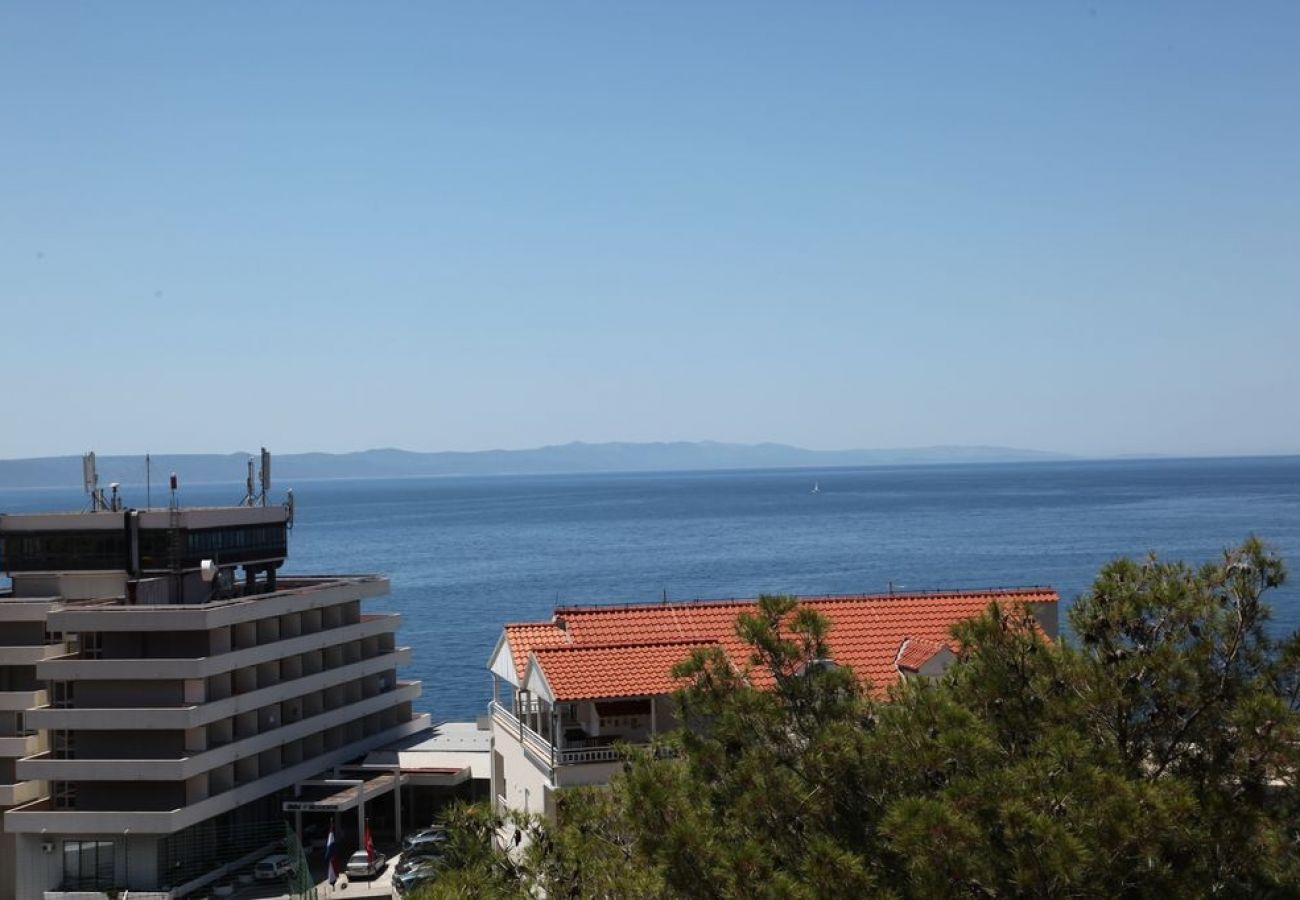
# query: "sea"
x,y
467,555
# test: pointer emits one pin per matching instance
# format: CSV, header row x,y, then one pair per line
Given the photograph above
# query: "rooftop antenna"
x,y
90,481
172,482
248,485
266,474
148,482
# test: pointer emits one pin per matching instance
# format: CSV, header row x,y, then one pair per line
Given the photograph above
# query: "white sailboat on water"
x,y
817,488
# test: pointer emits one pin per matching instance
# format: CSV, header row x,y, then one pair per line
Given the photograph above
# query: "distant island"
x,y
577,457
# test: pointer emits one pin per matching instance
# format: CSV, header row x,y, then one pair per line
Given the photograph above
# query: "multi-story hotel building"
x,y
163,689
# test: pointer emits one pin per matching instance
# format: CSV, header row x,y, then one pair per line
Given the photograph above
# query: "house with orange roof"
x,y
566,693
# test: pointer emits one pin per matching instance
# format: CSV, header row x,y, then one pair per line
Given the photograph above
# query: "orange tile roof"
x,y
866,630
916,652
580,672
524,636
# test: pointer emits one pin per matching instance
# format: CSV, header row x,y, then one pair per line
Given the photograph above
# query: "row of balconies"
x,y
42,817
75,667
164,733
300,665
100,795
234,751
242,635
171,711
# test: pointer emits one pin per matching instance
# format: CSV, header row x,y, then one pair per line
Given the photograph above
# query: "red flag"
x,y
370,845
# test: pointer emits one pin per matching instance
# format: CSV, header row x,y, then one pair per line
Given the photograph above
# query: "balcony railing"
x,y
574,752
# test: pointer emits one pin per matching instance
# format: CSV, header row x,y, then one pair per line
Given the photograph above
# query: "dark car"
x,y
430,842
415,876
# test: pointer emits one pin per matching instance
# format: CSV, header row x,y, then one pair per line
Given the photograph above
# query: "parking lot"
x,y
379,886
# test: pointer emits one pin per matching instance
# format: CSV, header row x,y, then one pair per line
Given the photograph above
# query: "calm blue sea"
x,y
466,555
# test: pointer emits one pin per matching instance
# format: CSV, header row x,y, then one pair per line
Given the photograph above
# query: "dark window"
x,y
88,865
65,551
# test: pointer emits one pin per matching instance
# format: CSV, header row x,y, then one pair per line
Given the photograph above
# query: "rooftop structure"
x,y
566,691
163,690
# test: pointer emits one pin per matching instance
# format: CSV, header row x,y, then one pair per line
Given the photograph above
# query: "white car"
x,y
270,868
362,866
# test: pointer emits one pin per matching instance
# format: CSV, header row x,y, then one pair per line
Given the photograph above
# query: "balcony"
x,y
20,746
72,667
41,817
46,767
571,751
200,714
30,655
22,792
21,701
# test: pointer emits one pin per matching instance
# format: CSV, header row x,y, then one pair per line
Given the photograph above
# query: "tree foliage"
x,y
1154,755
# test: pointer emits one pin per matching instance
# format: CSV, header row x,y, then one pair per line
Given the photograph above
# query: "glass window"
x,y
88,865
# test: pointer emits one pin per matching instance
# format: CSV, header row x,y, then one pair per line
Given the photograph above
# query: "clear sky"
x,y
1066,226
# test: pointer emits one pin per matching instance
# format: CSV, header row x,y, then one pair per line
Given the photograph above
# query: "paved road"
x,y
344,889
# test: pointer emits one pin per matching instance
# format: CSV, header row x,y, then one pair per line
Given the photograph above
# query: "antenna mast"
x,y
90,481
266,474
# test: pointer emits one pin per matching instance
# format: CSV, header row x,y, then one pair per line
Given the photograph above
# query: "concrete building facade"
x,y
163,689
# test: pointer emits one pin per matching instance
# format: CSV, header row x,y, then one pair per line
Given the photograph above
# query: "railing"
x,y
532,742
587,755
577,752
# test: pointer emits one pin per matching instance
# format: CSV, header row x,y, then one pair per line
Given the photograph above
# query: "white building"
x,y
163,690
568,691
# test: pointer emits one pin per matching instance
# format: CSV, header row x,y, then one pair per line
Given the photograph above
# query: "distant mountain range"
x,y
65,471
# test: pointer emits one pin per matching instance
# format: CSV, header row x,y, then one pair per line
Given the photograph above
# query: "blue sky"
x,y
435,226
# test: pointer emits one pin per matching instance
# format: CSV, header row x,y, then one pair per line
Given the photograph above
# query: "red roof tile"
x,y
916,652
578,672
866,631
524,636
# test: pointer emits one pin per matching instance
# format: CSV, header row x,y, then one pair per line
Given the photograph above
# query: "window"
x,y
65,795
88,865
62,694
92,645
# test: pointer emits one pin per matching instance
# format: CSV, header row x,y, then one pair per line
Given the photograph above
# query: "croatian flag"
x,y
331,870
370,845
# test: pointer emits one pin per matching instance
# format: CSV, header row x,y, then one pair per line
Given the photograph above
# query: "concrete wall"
x,y
587,773
36,870
8,866
525,779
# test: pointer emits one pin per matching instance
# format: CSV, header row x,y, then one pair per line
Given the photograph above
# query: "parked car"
x,y
407,862
422,843
269,868
415,876
362,866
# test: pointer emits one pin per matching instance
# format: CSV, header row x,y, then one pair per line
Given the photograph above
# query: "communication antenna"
x,y
90,481
266,474
148,482
248,485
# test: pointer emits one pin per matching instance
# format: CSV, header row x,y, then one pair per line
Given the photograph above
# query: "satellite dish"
x,y
208,570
